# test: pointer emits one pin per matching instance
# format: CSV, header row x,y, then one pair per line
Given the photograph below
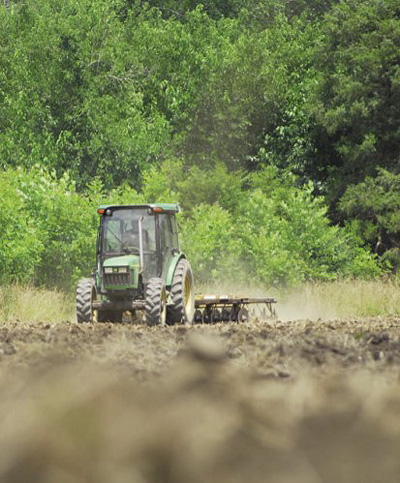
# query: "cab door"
x,y
168,240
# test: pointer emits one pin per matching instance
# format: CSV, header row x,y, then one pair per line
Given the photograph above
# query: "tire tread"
x,y
84,300
153,306
176,311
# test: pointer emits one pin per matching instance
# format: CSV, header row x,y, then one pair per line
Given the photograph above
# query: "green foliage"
x,y
211,243
201,81
48,229
292,142
271,232
192,186
374,205
69,93
357,100
20,242
60,226
213,8
286,236
211,104
257,11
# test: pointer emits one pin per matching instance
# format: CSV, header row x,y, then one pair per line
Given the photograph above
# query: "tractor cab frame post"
x,y
141,255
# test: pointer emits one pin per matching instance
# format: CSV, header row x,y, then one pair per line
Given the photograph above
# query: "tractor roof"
x,y
163,207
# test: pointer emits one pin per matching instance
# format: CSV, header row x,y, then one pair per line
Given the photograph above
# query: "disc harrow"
x,y
225,308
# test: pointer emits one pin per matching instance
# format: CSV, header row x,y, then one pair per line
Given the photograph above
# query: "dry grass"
x,y
27,303
343,298
346,298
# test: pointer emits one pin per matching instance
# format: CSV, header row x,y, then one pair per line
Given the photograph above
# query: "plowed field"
x,y
296,401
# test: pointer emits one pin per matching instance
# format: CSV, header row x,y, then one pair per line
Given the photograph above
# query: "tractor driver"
x,y
130,238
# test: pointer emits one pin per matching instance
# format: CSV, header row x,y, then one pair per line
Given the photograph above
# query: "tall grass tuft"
x,y
30,304
344,298
325,300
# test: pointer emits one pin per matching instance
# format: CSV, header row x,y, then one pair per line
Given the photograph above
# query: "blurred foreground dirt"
x,y
284,402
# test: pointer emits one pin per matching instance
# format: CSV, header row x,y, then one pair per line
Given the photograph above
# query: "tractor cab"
x,y
145,236
138,246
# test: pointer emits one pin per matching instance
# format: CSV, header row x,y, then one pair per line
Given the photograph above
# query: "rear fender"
x,y
171,269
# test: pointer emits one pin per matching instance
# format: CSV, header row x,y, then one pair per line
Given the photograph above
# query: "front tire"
x,y
84,300
156,302
182,294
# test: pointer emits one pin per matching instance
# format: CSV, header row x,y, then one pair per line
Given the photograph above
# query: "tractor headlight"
x,y
116,270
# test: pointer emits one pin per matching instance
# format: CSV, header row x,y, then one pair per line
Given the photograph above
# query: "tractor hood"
x,y
131,261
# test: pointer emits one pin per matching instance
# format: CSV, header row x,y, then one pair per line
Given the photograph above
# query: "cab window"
x,y
166,232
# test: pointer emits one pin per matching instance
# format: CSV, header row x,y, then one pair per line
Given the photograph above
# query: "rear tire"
x,y
84,299
182,294
156,302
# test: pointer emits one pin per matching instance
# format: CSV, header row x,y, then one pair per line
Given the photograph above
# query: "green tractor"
x,y
139,266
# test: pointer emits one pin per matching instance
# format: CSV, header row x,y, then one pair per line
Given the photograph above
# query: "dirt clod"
x,y
206,348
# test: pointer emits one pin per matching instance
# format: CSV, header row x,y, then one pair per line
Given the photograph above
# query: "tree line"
x,y
292,105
